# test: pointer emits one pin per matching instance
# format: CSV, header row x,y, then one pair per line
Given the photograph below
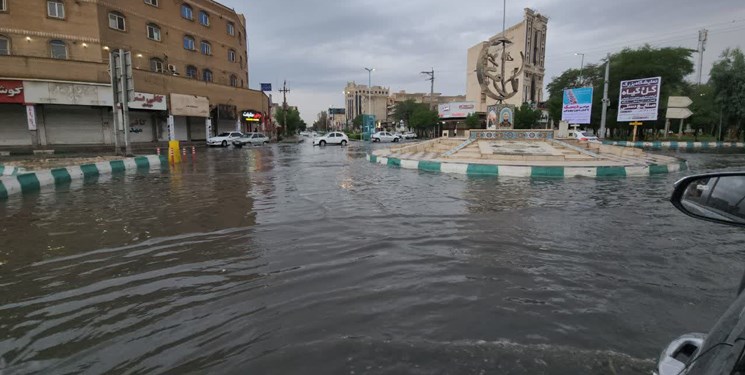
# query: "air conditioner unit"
x,y
172,68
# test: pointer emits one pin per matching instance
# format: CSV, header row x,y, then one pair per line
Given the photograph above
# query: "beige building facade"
x,y
529,39
193,48
356,102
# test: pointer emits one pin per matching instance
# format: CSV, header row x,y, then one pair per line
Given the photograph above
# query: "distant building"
x,y
356,102
529,38
418,97
337,118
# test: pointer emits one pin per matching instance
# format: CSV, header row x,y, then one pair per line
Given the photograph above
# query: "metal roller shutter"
x,y
13,126
141,127
226,126
73,125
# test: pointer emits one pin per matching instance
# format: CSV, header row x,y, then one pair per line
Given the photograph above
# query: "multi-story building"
x,y
189,61
356,102
437,99
529,38
337,118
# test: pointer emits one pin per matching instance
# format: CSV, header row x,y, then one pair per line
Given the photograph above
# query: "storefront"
x,y
147,114
14,130
252,120
71,113
188,120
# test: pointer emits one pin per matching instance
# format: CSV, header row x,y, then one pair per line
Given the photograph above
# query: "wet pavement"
x,y
293,259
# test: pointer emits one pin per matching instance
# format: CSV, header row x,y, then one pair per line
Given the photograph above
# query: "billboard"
x,y
500,116
577,105
190,105
368,126
639,99
456,110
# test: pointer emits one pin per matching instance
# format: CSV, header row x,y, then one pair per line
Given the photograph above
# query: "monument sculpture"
x,y
491,70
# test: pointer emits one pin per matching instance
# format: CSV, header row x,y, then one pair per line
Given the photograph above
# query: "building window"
x,y
233,80
187,12
206,48
231,55
153,32
240,38
231,29
58,49
3,6
189,43
191,71
207,75
4,45
204,18
152,2
116,21
156,65
55,9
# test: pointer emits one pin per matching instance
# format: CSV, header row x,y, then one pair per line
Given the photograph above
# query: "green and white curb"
x,y
677,145
7,170
529,171
34,181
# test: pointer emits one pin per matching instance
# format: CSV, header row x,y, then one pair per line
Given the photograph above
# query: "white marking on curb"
x,y
513,171
383,161
154,160
103,167
673,168
45,178
410,164
637,171
12,186
454,168
647,144
75,172
580,172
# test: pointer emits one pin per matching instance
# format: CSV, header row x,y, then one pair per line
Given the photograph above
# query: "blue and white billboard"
x,y
577,106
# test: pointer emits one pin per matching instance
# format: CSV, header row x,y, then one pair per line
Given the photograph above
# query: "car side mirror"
x,y
717,197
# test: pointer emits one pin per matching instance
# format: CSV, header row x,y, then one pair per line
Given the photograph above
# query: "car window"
x,y
223,134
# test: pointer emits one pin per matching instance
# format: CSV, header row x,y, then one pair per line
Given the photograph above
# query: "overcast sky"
x,y
320,45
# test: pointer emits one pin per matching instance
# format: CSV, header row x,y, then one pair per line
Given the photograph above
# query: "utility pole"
x,y
284,92
606,101
431,79
703,36
581,66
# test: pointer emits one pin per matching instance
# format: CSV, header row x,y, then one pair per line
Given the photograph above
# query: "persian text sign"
x,y
190,105
11,92
456,109
153,102
639,99
577,106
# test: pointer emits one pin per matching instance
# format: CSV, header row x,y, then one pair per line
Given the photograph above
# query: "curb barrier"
x,y
471,169
677,145
34,181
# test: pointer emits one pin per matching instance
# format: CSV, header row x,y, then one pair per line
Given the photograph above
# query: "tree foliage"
x,y
526,117
728,85
321,122
473,122
423,117
357,122
672,64
404,110
293,120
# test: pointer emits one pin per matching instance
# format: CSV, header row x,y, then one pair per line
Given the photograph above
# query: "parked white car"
x,y
333,138
409,135
583,136
384,137
251,139
224,139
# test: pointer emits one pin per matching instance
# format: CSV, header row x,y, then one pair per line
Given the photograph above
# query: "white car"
x,y
224,139
583,136
409,135
251,139
384,137
333,138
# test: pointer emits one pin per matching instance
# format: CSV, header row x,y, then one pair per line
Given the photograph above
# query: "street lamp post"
x,y
369,92
581,65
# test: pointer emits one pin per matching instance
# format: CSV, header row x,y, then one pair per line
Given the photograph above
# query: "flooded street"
x,y
293,259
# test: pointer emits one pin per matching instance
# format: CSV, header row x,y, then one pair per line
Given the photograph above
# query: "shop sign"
x,y
11,92
252,116
68,94
190,105
154,102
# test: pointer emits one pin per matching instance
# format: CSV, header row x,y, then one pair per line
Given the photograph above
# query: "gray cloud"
x,y
319,45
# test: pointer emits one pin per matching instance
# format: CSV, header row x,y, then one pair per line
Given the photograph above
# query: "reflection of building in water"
x,y
529,38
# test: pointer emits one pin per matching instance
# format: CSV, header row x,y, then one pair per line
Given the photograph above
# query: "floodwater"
x,y
294,259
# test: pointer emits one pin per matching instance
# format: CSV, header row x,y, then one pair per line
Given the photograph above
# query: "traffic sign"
x,y
679,102
679,113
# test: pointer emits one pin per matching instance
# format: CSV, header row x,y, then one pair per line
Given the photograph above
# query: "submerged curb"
x,y
7,170
34,181
676,145
529,171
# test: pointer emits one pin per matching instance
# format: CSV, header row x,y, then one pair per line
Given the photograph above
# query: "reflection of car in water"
x,y
716,198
